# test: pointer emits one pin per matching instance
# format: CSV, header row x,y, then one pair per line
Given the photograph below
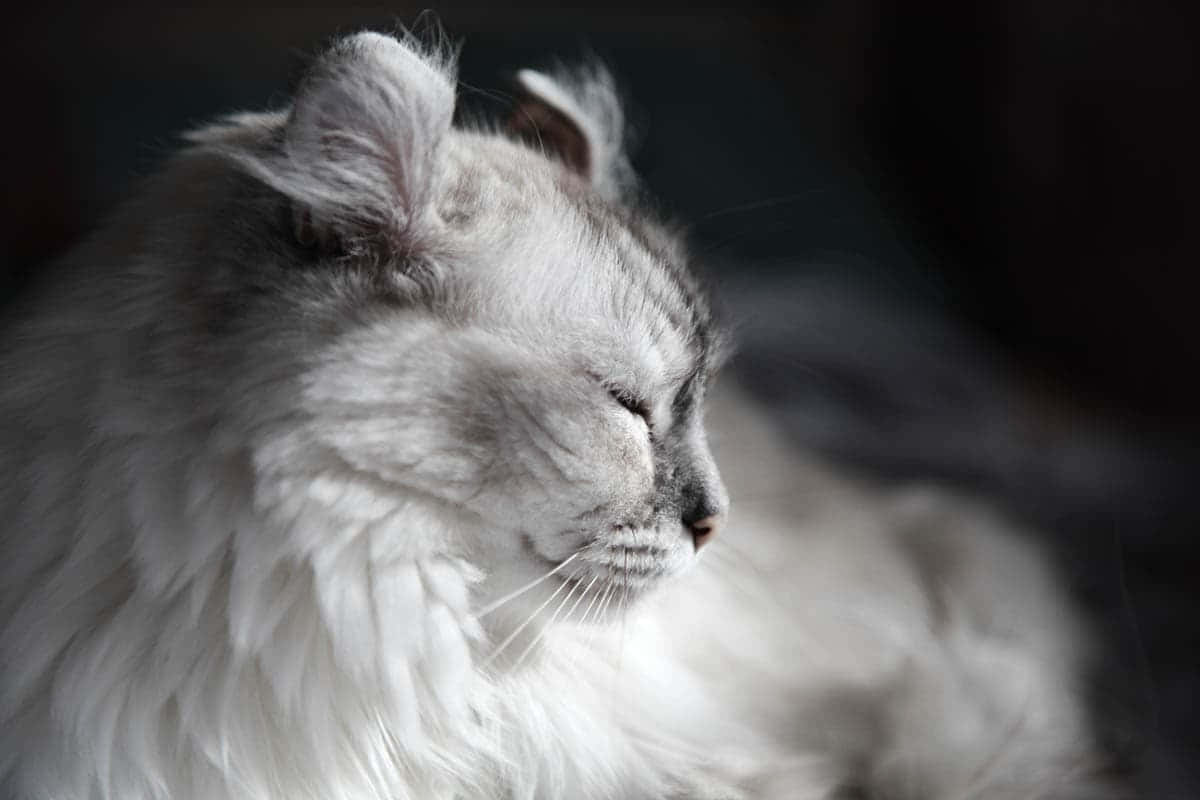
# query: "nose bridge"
x,y
701,492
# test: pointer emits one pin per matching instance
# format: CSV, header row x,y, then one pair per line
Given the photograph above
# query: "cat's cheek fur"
x,y
541,463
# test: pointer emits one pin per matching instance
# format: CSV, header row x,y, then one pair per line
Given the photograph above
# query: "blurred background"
x,y
958,241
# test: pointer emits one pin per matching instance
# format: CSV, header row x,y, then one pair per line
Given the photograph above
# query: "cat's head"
x,y
461,320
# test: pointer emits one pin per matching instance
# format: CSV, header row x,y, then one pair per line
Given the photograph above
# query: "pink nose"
x,y
703,530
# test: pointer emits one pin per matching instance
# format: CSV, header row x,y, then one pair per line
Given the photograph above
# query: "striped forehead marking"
x,y
654,273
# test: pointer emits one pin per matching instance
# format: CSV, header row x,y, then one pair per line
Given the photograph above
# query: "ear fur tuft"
x,y
360,149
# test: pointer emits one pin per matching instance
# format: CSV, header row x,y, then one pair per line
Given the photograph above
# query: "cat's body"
x,y
288,442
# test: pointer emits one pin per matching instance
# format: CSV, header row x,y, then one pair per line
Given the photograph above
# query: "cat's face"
x,y
599,350
506,338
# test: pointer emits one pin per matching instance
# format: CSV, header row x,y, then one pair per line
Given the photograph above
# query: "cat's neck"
x,y
396,649
324,634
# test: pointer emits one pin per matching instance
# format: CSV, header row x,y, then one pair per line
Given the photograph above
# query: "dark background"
x,y
959,238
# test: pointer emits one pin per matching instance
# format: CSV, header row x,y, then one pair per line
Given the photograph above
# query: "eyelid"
x,y
630,402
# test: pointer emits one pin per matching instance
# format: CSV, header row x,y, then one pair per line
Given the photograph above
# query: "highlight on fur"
x,y
359,458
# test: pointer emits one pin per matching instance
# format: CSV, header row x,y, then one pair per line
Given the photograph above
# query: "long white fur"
x,y
269,584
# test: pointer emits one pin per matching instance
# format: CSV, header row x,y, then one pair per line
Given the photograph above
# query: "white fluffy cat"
x,y
361,457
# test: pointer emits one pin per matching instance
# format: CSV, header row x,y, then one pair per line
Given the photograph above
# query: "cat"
x,y
362,456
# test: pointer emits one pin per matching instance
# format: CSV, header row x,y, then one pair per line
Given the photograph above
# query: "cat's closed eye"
x,y
631,403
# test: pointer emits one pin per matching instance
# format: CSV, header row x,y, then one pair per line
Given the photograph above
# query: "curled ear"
x,y
359,153
576,116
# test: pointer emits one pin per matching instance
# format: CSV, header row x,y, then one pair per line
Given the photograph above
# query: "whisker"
x,y
758,205
733,564
600,597
518,592
623,609
582,595
609,604
517,632
595,598
735,552
595,626
598,620
553,618
602,614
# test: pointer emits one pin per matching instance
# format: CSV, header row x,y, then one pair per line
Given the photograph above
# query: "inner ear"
x,y
543,126
576,117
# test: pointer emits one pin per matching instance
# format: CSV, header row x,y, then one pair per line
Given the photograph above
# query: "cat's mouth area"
x,y
635,566
616,567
